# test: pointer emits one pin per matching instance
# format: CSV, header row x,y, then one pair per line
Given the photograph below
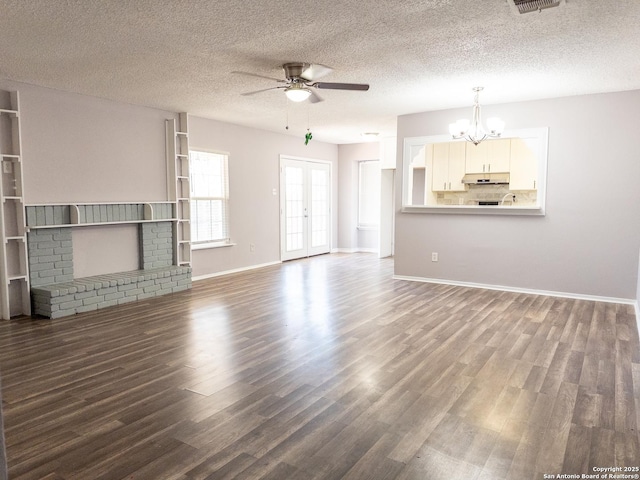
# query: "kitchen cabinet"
x,y
448,167
490,156
524,165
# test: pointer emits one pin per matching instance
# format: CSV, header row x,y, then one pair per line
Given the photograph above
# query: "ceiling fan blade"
x,y
259,91
342,86
315,71
260,76
315,98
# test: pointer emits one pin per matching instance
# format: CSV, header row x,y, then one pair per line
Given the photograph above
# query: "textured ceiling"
x,y
417,56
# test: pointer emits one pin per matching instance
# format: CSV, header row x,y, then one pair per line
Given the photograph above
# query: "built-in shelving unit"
x,y
14,268
178,185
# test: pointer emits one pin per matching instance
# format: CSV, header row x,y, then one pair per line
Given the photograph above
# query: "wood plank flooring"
x,y
320,369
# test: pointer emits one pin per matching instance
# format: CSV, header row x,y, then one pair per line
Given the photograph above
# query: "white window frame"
x,y
371,192
211,242
413,146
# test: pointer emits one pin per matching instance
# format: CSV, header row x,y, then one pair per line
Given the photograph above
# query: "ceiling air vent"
x,y
526,6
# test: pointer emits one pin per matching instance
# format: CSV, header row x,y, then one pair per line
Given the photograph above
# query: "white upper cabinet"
x,y
498,155
476,157
448,167
524,164
490,156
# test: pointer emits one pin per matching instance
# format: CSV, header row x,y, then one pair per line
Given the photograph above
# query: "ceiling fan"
x,y
300,82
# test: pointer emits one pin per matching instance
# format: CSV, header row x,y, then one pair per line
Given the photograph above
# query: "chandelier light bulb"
x,y
495,125
459,128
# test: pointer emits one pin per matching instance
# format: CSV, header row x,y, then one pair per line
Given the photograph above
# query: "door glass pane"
x,y
319,207
294,208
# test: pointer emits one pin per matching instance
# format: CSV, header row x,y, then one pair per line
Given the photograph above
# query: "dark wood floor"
x,y
324,368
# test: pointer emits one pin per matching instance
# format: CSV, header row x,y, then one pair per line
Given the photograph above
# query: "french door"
x,y
305,208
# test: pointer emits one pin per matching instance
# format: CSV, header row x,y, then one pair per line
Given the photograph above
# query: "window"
x,y
520,158
368,194
209,197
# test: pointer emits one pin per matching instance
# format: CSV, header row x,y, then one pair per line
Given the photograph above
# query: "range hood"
x,y
486,179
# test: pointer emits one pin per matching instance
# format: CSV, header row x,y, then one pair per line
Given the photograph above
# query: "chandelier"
x,y
473,131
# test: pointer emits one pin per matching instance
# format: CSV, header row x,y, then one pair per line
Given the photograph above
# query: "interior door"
x,y
305,208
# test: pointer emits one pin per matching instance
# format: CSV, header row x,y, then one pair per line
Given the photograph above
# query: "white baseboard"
x,y
576,296
235,270
345,250
356,250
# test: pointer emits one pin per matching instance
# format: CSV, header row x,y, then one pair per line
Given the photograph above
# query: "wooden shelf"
x,y
17,277
94,224
95,214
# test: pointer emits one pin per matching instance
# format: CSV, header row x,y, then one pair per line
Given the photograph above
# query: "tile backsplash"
x,y
487,193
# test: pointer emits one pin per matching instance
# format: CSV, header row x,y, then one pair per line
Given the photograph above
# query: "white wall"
x,y
78,148
638,294
254,158
587,244
350,238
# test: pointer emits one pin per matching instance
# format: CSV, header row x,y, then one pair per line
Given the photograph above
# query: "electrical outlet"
x,y
434,256
252,247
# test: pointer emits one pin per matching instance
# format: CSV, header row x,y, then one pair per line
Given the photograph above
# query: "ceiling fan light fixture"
x,y
297,93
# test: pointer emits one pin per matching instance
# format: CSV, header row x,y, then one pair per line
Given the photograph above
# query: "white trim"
x,y
576,296
637,305
474,209
209,150
346,250
356,250
304,159
235,270
206,245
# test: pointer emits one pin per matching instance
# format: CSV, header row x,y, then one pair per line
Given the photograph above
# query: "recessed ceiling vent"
x,y
527,6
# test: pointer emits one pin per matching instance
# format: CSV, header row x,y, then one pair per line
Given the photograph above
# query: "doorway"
x,y
305,208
